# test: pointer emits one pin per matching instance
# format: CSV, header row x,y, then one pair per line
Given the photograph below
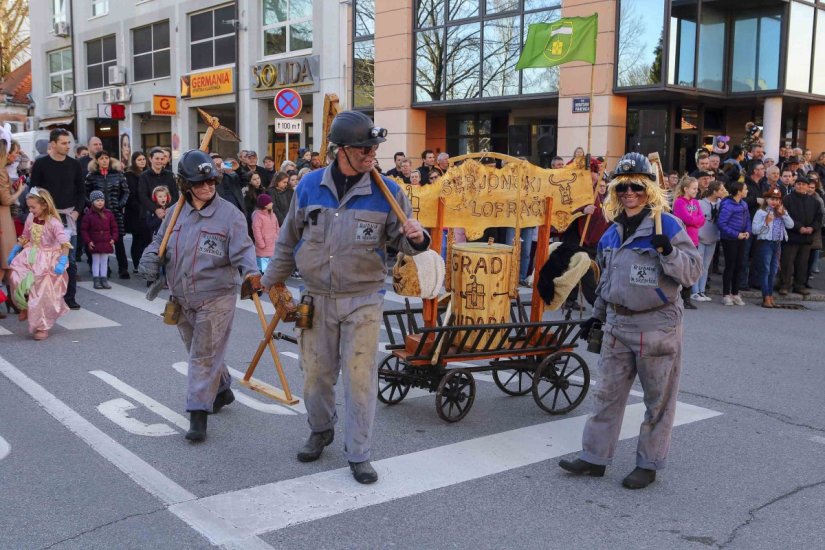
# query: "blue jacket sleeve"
x,y
725,214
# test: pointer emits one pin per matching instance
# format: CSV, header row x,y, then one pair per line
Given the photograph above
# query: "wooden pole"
x,y
396,208
281,376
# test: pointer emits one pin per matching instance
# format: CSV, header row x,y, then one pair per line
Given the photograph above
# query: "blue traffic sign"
x,y
288,103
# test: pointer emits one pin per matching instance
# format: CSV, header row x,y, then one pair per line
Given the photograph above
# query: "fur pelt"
x,y
566,264
421,275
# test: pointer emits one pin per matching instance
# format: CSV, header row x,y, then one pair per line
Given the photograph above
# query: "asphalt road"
x,y
92,453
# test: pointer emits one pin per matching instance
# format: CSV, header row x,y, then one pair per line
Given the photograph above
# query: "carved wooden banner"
x,y
477,196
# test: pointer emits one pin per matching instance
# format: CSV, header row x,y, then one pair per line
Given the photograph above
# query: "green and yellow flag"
x,y
556,43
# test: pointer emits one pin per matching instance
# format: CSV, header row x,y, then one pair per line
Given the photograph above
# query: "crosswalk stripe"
x,y
4,332
84,319
275,506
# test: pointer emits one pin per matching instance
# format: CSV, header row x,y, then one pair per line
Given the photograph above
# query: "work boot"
x,y
223,399
104,281
98,285
315,445
581,467
363,472
639,478
197,426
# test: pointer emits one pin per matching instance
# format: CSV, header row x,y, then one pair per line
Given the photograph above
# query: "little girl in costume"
x,y
38,265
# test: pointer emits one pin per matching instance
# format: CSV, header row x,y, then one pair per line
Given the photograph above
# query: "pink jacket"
x,y
689,211
265,229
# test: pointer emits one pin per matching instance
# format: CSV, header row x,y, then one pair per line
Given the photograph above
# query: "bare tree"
x,y
631,71
14,34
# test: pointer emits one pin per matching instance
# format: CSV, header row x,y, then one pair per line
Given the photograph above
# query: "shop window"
x,y
818,77
756,39
428,72
682,47
501,6
60,71
212,37
100,55
287,26
800,40
475,132
363,54
712,40
150,45
161,139
640,42
100,7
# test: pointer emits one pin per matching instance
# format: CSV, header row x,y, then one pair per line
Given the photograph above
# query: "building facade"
x,y
669,76
134,72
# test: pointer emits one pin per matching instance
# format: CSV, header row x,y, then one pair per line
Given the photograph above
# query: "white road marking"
x,y
216,529
240,397
4,332
818,439
158,408
84,319
275,506
128,296
5,448
117,409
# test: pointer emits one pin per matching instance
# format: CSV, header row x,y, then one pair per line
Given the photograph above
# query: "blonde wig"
x,y
656,200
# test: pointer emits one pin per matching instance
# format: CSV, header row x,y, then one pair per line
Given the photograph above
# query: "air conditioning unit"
x,y
117,75
65,102
61,28
121,94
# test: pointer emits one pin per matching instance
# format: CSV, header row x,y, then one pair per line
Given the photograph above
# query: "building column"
x,y
394,38
609,112
816,130
772,126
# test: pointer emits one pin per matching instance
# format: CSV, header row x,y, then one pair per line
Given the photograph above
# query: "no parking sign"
x,y
288,103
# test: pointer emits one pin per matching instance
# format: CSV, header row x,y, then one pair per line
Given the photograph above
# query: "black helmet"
x,y
634,164
355,129
195,166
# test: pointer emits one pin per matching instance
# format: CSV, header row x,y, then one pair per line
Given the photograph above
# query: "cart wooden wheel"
x,y
514,382
561,382
391,387
455,395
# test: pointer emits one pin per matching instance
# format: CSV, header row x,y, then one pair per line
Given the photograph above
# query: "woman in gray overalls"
x,y
640,305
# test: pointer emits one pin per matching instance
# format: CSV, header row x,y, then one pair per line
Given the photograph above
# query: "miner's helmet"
x,y
355,129
634,164
195,166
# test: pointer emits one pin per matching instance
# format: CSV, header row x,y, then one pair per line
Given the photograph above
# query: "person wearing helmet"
x,y
640,305
209,245
335,233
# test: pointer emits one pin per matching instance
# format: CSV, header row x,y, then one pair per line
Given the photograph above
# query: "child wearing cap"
x,y
265,230
99,232
770,225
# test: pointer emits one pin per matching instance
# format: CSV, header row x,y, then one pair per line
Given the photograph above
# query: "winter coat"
x,y
8,234
99,230
229,189
265,229
151,222
281,201
709,232
132,220
689,211
734,218
114,187
805,212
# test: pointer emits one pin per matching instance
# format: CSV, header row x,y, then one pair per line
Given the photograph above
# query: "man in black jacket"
x,y
229,184
755,171
61,176
807,218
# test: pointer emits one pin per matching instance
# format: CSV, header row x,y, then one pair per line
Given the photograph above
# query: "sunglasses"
x,y
622,188
210,183
367,149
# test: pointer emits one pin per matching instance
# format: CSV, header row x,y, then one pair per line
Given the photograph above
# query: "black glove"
x,y
663,242
587,325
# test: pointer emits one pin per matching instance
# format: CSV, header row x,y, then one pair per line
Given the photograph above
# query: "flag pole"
x,y
590,110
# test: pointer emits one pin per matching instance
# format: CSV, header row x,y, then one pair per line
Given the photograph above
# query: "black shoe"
x,y
197,426
315,445
71,303
97,285
124,275
222,399
581,467
639,478
802,291
689,305
363,472
104,282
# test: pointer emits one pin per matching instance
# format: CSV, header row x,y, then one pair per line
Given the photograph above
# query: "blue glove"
x,y
60,268
14,251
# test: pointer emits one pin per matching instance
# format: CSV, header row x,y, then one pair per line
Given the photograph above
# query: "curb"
x,y
814,296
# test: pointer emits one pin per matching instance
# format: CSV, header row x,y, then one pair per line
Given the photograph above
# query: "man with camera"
x,y
335,233
643,269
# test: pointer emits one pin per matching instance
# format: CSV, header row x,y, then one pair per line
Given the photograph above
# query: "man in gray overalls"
x,y
208,246
639,301
335,233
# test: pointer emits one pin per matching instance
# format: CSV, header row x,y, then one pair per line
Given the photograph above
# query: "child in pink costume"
x,y
38,265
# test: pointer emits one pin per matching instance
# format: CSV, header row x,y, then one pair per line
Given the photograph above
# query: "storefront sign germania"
x,y
298,72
